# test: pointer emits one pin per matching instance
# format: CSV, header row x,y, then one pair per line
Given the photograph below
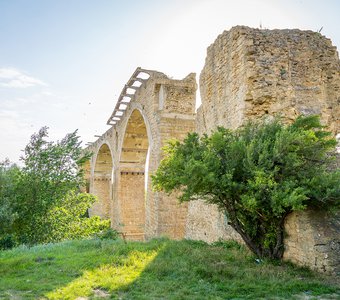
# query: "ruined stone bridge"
x,y
248,74
150,110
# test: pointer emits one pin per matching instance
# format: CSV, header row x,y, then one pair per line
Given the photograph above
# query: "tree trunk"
x,y
256,245
247,239
279,247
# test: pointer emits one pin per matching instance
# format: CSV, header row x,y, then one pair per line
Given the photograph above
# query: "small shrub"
x,y
7,241
67,221
108,234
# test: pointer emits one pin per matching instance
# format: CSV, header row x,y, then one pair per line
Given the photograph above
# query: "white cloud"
x,y
13,78
8,114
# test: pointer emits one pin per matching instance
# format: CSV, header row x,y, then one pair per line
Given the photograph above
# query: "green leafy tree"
x,y
256,175
8,176
46,200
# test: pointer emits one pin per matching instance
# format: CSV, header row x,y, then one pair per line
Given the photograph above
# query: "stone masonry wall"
x,y
253,74
250,73
176,108
131,191
101,189
313,240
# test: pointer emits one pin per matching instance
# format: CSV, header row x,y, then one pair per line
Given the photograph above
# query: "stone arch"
x,y
132,174
145,117
102,181
141,122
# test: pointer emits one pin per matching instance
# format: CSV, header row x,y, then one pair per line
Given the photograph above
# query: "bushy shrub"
x,y
256,175
108,234
7,241
68,221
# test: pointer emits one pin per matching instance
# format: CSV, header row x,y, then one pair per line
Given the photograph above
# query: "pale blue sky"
x,y
64,62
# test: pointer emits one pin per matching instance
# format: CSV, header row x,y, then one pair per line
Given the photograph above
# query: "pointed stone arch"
x,y
102,182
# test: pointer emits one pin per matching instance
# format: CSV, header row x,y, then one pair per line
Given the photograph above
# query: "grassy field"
x,y
159,269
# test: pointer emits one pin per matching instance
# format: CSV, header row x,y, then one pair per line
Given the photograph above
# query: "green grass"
x,y
159,269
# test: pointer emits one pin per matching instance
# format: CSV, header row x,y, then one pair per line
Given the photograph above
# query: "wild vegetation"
x,y
159,269
257,175
41,202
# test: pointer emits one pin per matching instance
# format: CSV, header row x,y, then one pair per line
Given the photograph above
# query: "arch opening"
x,y
102,182
132,177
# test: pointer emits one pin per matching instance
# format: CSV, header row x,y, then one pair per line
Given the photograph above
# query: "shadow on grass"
x,y
46,270
160,269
